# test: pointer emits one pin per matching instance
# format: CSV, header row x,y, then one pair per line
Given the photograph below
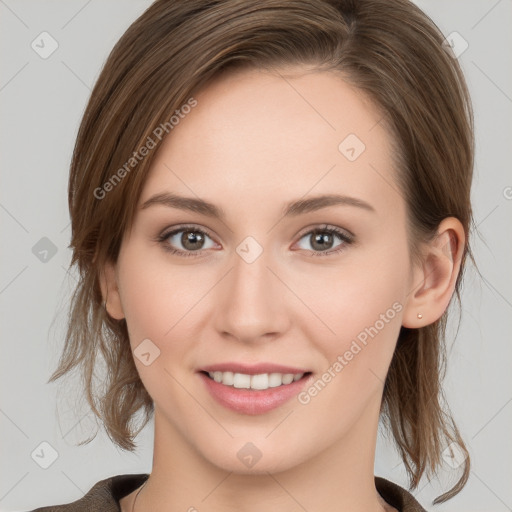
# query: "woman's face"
x,y
277,158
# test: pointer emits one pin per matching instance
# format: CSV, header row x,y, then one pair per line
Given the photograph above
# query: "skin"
x,y
256,141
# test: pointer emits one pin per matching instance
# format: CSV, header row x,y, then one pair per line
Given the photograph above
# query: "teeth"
x,y
259,382
241,381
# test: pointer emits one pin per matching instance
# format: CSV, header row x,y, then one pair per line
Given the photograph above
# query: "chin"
x,y
245,457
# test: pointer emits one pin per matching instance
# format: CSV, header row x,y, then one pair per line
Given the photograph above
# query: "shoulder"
x,y
104,496
397,496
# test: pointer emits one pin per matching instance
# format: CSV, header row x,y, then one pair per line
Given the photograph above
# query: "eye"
x,y
321,240
189,240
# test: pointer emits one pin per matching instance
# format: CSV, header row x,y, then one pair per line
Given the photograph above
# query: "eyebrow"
x,y
291,209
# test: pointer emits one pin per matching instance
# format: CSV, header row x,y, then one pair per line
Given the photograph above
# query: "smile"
x,y
253,394
257,382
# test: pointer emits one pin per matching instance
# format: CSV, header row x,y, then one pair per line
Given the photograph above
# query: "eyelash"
x,y
346,238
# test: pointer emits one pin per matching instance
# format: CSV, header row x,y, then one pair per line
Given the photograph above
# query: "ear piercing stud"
x,y
420,316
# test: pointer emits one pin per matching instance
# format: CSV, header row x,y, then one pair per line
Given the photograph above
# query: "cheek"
x,y
154,296
156,300
360,307
363,311
355,295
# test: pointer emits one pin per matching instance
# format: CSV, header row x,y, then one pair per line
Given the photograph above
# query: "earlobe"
x,y
110,291
433,282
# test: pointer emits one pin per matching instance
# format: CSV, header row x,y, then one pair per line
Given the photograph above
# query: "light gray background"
x,y
41,103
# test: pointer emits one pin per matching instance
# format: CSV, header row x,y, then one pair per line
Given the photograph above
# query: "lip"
x,y
250,401
255,369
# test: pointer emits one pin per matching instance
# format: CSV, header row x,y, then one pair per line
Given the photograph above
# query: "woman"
x,y
270,208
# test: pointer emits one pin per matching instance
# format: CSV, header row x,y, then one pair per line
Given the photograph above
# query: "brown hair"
x,y
388,49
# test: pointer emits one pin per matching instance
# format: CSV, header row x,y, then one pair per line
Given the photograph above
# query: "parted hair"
x,y
388,49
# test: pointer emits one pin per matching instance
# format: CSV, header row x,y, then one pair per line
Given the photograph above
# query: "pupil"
x,y
323,240
191,239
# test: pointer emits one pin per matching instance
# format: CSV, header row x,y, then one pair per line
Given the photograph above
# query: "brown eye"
x,y
322,241
192,240
186,241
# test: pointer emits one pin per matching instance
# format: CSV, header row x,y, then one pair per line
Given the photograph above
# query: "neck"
x,y
340,478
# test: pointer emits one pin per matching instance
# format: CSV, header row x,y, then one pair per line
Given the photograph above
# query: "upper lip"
x,y
254,369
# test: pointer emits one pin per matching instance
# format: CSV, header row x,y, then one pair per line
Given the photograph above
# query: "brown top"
x,y
104,496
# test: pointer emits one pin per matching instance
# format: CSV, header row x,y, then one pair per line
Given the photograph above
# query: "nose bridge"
x,y
252,297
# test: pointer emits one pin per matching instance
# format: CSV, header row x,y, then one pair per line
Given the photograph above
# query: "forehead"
x,y
258,136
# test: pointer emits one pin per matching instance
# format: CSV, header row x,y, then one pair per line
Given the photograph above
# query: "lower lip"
x,y
248,401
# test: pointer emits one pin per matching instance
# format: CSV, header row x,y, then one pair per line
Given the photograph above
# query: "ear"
x,y
433,282
110,291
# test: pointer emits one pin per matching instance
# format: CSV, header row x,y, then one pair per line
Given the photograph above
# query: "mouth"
x,y
254,390
255,382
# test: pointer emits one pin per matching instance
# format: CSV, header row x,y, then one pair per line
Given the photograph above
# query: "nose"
x,y
252,301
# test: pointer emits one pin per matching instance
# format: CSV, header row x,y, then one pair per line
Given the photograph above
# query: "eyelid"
x,y
170,231
322,227
347,239
346,236
167,232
